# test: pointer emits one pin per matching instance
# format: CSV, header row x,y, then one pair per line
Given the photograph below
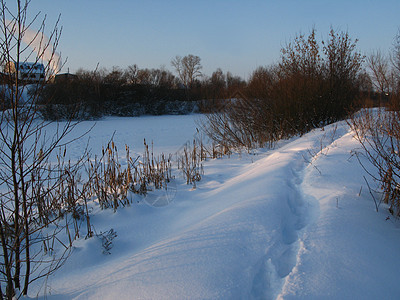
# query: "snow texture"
x,y
296,222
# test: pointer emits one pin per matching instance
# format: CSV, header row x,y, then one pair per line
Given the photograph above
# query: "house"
x,y
64,77
27,72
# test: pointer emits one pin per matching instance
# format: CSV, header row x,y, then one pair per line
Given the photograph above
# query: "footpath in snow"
x,y
292,223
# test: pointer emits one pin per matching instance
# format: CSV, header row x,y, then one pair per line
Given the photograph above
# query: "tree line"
x,y
136,91
313,83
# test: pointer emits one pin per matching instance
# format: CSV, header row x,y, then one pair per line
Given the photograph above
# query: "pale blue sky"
x,y
234,35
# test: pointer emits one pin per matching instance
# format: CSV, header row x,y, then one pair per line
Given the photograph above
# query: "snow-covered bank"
x,y
349,250
286,223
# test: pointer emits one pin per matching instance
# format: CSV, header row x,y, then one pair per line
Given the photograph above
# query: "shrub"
x,y
309,88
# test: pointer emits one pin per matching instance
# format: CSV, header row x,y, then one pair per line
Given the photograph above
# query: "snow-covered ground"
x,y
296,222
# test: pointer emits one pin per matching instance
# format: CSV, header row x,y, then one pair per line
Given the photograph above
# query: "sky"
x,y
236,35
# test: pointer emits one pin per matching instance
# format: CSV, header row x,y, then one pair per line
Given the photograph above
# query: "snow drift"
x,y
296,222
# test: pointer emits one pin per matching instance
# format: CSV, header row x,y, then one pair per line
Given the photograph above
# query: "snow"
x,y
168,133
296,222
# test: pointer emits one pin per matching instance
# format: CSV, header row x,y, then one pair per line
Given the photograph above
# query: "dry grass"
x,y
378,132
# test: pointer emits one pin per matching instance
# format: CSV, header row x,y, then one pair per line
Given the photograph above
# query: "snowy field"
x,y
168,133
296,222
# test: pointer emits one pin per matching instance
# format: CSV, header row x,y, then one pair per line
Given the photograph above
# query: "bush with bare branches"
x,y
308,89
378,131
34,194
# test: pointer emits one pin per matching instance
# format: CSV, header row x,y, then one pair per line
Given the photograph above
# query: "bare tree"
x,y
162,78
28,185
343,67
144,76
302,56
115,77
234,83
131,74
188,69
378,63
217,84
385,71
